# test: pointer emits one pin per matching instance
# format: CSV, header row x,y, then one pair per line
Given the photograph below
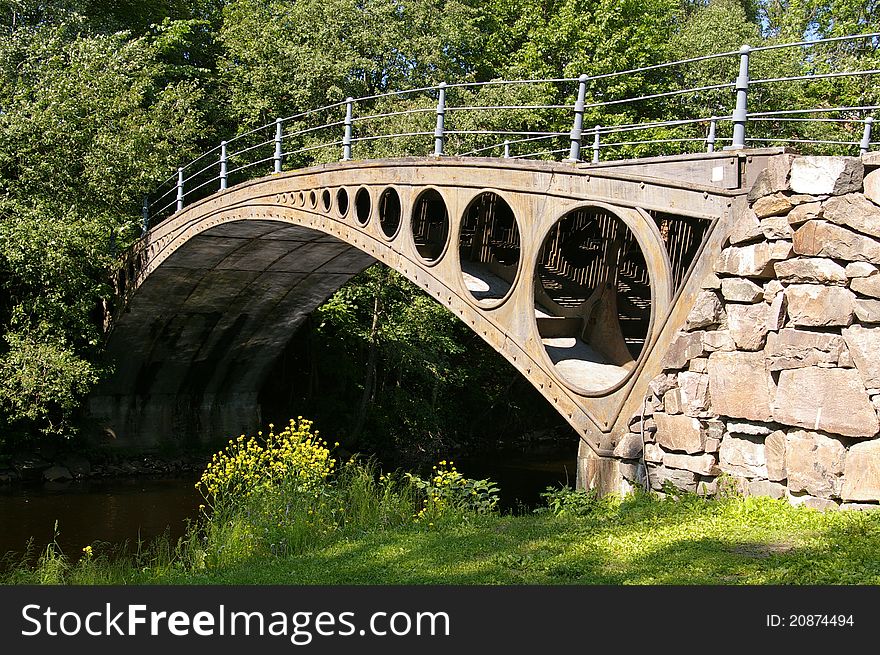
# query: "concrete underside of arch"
x,y
198,339
218,289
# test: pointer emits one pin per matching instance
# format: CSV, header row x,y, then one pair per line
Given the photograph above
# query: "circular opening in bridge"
x,y
313,199
342,202
325,199
430,225
488,248
592,299
389,212
363,205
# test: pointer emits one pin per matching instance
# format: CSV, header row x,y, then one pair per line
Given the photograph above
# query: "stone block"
x,y
765,488
672,402
819,306
747,427
859,507
718,340
706,311
693,391
737,289
793,348
712,445
862,472
774,453
810,270
739,385
780,249
872,186
864,347
803,213
685,346
711,281
702,464
698,365
773,178
828,399
678,432
662,383
824,239
679,478
814,463
860,269
742,455
776,227
866,286
772,289
867,311
748,261
747,228
854,211
826,175
630,446
773,205
749,324
653,453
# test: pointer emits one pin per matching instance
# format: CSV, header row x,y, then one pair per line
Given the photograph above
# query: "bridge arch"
x,y
216,291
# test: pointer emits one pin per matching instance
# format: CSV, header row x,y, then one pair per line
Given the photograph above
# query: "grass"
x,y
638,540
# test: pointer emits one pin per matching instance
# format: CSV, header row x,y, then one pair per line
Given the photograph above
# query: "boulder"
x,y
864,347
793,348
811,270
821,238
860,269
747,228
862,472
828,399
803,213
774,453
749,324
776,227
773,178
814,463
826,175
872,186
819,305
867,286
706,311
57,474
742,456
739,385
679,478
748,261
702,464
773,205
765,488
867,311
630,447
737,289
693,390
685,346
854,211
682,433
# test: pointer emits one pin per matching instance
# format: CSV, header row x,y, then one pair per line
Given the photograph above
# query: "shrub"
x,y
448,493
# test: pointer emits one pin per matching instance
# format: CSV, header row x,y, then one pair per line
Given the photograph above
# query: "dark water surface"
x,y
125,510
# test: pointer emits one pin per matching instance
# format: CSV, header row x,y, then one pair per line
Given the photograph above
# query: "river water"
x,y
124,510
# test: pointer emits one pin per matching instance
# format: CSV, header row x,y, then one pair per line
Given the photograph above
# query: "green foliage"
x,y
448,493
565,501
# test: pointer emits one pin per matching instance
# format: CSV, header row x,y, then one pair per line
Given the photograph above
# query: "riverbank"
x,y
638,540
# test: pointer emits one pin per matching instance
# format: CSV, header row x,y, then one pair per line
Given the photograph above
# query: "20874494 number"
x,y
810,620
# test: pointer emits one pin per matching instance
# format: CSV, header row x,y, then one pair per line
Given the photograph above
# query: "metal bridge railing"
x,y
514,119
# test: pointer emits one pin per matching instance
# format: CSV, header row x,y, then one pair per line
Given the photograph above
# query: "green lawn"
x,y
641,540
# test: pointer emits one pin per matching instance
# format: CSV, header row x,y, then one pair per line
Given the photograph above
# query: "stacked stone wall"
x,y
773,383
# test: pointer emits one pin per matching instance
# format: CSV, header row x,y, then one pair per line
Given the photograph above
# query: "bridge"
x,y
580,273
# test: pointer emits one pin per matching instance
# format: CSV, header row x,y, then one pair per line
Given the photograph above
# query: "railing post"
x,y
441,112
278,134
740,113
145,217
865,145
179,189
506,149
577,127
223,161
710,138
596,144
346,139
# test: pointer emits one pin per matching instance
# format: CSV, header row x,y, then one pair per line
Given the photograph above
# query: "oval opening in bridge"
x,y
430,225
313,199
362,205
592,299
488,248
325,199
301,199
389,212
342,201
